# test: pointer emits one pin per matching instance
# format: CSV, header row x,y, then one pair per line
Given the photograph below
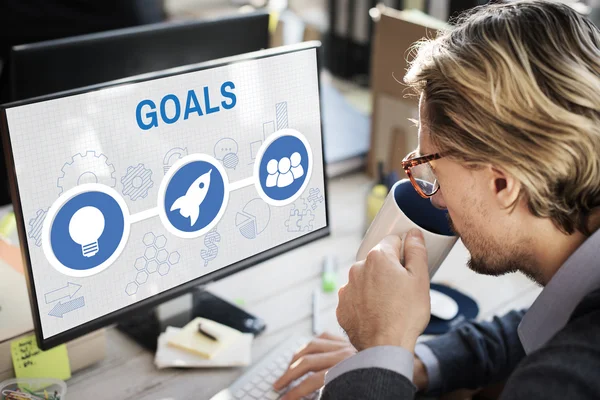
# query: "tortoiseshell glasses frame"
x,y
410,161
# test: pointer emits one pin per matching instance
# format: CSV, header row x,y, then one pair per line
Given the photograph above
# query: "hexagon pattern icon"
x,y
162,255
152,266
131,288
141,277
174,258
156,258
149,239
163,269
150,252
140,263
160,242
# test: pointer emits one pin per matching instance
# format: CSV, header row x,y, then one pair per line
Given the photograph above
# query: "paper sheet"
x,y
238,353
190,340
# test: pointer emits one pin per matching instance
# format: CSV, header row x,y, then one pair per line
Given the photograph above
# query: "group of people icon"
x,y
282,173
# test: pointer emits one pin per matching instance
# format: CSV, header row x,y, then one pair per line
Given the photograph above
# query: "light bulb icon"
x,y
85,227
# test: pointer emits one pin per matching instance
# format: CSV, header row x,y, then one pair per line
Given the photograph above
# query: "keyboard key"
x,y
239,394
256,379
264,386
264,373
271,379
257,394
272,395
248,387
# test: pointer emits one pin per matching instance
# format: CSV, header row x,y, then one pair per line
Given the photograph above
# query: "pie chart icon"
x,y
253,219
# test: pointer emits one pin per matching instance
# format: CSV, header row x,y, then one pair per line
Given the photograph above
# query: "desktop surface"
x,y
129,192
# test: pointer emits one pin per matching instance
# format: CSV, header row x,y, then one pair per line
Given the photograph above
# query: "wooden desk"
x,y
279,291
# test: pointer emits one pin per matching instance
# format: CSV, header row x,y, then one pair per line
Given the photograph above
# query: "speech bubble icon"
x,y
225,146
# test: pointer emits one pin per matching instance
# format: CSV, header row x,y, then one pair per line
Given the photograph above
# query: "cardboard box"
x,y
393,102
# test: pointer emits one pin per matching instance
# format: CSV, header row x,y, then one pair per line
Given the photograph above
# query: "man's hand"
x,y
385,303
321,354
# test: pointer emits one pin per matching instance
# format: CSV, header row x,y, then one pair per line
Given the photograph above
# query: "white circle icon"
x,y
193,196
283,167
86,230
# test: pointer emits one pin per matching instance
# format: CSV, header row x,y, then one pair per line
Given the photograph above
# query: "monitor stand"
x,y
145,327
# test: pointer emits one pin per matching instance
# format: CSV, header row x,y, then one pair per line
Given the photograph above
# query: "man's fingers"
x,y
330,336
391,244
319,346
415,254
309,363
306,387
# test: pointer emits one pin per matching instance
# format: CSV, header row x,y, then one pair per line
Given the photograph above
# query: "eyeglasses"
x,y
421,173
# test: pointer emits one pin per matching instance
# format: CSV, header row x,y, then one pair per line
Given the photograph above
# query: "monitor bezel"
x,y
153,301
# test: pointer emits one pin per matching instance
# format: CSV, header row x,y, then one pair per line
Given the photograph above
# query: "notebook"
x,y
239,353
190,340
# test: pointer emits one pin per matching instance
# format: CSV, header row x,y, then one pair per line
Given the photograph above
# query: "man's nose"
x,y
438,200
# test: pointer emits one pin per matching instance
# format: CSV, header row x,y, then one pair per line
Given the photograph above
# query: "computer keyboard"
x,y
257,382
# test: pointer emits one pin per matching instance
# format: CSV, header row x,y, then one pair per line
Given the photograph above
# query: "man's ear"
x,y
505,187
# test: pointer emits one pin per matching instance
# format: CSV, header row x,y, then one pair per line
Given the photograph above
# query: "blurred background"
x,y
364,48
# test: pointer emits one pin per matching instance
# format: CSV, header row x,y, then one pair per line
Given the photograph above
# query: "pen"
x,y
315,312
206,333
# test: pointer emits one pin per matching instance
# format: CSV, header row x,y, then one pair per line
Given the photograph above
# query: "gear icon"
x,y
137,181
35,226
86,168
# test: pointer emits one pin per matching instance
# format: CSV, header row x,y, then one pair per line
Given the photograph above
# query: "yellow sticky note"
x,y
8,224
273,20
31,362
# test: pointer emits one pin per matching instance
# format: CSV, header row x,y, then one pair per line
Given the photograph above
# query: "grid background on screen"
x,y
57,143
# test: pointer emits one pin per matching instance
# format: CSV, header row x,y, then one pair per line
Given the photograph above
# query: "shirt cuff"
x,y
393,358
432,365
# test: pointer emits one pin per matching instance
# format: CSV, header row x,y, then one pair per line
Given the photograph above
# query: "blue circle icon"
x,y
284,167
195,197
86,231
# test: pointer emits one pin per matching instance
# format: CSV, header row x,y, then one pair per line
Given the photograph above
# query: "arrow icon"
x,y
61,308
68,291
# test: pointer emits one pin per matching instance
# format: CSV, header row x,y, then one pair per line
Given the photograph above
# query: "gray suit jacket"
x,y
478,354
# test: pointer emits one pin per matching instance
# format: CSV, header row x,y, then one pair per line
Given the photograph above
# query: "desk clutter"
x,y
33,389
203,343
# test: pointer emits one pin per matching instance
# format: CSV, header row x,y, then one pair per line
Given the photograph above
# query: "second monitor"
x,y
63,64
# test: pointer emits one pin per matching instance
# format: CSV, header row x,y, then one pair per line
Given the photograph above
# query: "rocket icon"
x,y
189,204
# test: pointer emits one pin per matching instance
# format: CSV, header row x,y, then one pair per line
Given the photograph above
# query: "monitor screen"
x,y
131,194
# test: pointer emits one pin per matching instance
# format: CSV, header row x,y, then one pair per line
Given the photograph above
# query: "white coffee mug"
x,y
403,210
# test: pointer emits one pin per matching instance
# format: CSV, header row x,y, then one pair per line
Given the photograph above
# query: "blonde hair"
x,y
517,85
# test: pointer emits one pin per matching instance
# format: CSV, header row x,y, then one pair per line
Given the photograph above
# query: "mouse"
x,y
442,305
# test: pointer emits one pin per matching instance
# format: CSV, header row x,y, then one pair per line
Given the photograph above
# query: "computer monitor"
x,y
57,65
130,194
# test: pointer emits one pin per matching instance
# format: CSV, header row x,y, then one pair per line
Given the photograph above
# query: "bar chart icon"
x,y
281,113
268,128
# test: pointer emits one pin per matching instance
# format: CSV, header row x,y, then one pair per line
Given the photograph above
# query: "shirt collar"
x,y
550,312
